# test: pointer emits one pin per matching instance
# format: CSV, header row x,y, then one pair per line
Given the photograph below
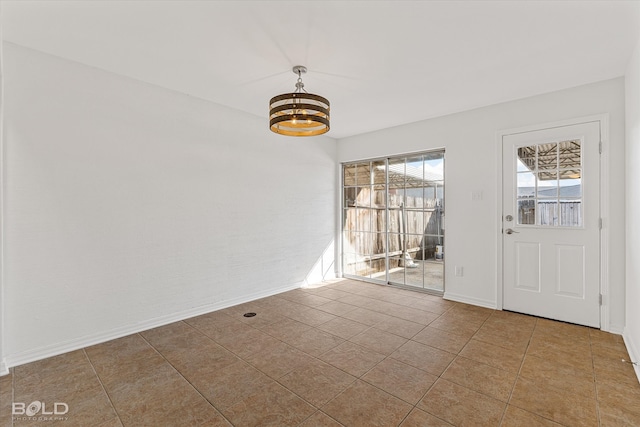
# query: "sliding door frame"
x,y
385,280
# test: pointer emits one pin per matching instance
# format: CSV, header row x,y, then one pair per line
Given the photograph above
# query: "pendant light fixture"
x,y
299,113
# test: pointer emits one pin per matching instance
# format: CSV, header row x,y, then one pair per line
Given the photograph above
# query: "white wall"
x,y
3,368
128,206
632,92
472,165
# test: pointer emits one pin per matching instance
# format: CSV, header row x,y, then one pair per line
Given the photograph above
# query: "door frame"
x,y
604,206
339,249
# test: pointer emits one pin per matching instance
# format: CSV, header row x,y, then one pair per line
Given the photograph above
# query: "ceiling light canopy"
x,y
299,113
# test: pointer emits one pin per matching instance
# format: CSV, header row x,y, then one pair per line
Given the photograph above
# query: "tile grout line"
x,y
458,355
595,381
185,378
318,410
93,368
240,359
376,300
276,380
356,378
524,357
446,368
413,406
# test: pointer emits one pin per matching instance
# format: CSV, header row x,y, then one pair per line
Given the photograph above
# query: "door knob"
x,y
510,231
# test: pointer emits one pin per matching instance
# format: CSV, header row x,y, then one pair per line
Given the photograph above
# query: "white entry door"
x,y
551,223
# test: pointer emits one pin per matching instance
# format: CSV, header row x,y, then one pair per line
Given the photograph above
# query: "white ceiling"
x,y
380,63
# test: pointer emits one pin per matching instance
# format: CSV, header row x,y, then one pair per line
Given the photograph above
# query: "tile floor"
x,y
348,353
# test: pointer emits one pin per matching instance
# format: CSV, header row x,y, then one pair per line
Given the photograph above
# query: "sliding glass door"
x,y
393,220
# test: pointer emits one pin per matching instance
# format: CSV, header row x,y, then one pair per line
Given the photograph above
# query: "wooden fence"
x,y
365,239
566,213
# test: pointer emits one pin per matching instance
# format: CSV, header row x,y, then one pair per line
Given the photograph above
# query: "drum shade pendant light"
x,y
299,113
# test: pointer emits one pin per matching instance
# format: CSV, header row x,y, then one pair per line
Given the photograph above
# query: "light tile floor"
x,y
348,353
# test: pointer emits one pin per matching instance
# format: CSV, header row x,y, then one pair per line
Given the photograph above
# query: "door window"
x,y
549,184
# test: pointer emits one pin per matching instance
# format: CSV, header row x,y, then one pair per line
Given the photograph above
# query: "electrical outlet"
x,y
476,195
459,271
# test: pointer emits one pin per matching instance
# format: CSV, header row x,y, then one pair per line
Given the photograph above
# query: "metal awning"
x,y
556,160
399,175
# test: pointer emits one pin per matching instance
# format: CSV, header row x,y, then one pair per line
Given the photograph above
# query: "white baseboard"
x,y
632,349
76,344
615,329
4,369
470,300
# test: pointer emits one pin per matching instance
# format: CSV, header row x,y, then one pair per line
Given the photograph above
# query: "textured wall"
x,y
128,206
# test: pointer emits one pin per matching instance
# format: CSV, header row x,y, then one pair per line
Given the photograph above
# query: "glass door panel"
x,y
398,220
